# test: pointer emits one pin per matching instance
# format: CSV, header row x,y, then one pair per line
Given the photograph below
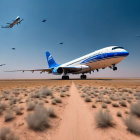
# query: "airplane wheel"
x,y
65,77
114,68
83,77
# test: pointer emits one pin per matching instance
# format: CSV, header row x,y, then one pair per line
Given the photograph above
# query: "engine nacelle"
x,y
57,71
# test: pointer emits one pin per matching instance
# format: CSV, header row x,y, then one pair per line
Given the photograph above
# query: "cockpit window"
x,y
114,48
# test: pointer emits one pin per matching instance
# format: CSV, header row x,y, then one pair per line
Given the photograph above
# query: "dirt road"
x,y
75,125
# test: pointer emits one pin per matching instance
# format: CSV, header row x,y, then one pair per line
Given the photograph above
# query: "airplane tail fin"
x,y
50,60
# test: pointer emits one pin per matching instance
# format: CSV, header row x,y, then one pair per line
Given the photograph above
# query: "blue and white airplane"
x,y
16,21
100,59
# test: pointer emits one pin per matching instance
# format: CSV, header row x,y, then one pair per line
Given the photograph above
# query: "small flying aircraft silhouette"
x,y
16,21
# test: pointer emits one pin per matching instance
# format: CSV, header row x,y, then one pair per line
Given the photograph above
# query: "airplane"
x,y
44,20
16,21
2,64
13,48
61,43
100,59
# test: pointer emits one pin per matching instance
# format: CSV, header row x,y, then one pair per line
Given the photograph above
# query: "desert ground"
x,y
100,109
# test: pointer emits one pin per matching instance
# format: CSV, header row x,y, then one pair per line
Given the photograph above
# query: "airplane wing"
x,y
5,26
75,69
41,70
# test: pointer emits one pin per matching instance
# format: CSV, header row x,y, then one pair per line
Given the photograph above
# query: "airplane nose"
x,y
125,53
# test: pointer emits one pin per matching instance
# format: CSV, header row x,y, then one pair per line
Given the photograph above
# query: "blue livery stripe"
x,y
104,56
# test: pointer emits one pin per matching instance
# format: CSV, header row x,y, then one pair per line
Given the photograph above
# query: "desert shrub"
x,y
18,111
87,99
4,132
30,106
107,101
12,136
53,102
46,92
51,112
123,103
38,120
115,105
119,114
3,106
58,100
104,119
93,106
113,98
82,95
98,100
135,109
9,116
15,92
62,94
104,106
132,125
12,101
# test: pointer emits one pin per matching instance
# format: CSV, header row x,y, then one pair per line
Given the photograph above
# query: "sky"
x,y
83,25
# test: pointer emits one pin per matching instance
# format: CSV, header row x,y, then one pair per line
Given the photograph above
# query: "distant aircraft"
x,y
13,48
61,43
44,20
100,59
2,64
16,21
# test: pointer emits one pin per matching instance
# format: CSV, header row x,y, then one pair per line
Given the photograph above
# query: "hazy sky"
x,y
83,25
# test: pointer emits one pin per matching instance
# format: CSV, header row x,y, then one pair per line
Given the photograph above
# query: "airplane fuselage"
x,y
98,59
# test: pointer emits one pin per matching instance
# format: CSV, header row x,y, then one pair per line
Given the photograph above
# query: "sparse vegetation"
x,y
115,105
104,119
132,125
51,112
9,116
93,106
123,103
135,109
104,105
7,134
119,114
38,120
87,99
30,106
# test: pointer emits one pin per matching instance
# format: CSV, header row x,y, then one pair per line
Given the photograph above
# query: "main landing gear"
x,y
114,68
65,77
83,76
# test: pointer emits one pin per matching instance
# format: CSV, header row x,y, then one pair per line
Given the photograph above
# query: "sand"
x,y
75,117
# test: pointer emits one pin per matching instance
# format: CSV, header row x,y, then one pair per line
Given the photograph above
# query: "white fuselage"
x,y
99,59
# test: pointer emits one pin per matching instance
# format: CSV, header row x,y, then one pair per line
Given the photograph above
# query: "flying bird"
x,y
44,20
61,43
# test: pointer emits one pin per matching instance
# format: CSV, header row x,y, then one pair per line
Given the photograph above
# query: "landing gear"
x,y
65,77
83,77
114,68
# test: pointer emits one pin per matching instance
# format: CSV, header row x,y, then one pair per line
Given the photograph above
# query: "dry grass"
x,y
135,109
87,99
38,120
30,106
103,119
52,113
4,132
132,125
119,114
9,116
